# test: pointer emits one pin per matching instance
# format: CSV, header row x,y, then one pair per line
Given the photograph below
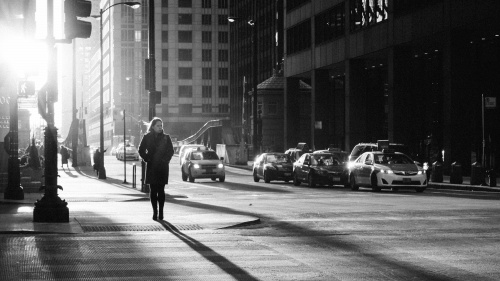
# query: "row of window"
x,y
187,73
186,36
187,108
221,4
187,19
187,55
330,24
186,91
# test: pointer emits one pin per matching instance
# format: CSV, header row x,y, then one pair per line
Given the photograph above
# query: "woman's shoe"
x,y
155,218
160,217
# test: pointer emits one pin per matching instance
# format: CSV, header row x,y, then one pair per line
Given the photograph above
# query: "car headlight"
x,y
386,171
220,166
196,166
420,172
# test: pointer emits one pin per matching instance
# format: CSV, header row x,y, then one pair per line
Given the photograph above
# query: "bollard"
x,y
437,172
143,170
492,175
134,173
476,175
456,173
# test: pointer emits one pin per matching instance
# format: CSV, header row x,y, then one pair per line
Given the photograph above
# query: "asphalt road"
x,y
339,234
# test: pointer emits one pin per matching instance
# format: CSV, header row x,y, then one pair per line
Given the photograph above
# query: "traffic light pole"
x,y
51,208
152,63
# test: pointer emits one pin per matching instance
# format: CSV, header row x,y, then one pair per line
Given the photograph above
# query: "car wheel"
x,y
420,189
373,180
266,177
255,177
310,180
352,183
296,181
222,179
190,176
184,176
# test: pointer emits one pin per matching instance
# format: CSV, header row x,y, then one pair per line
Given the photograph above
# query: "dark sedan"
x,y
318,169
272,166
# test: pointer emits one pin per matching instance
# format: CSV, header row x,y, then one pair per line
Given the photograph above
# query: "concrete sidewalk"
x,y
107,204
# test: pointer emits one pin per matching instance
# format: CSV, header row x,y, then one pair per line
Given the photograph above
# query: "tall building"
x,y
192,64
412,72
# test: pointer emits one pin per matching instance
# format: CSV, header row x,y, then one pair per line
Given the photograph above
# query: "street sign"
x,y
27,103
490,102
26,88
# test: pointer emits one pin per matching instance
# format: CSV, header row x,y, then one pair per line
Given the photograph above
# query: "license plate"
x,y
406,180
288,174
335,179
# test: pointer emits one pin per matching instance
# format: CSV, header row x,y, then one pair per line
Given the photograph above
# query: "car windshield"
x,y
325,160
278,158
204,155
392,159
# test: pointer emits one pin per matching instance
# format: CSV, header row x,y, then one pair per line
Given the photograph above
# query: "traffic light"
x,y
73,27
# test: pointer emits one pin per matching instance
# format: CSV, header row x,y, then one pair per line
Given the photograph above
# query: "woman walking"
x,y
156,150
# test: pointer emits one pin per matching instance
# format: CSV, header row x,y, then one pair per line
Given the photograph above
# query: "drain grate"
x,y
142,227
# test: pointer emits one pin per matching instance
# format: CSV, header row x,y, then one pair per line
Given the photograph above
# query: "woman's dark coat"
x,y
64,155
156,150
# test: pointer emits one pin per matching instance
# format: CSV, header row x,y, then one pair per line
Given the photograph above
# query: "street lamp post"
x,y
256,137
102,170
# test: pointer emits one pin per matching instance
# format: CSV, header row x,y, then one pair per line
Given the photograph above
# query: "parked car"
x,y
378,170
342,156
202,163
361,148
272,166
130,153
318,169
185,148
295,153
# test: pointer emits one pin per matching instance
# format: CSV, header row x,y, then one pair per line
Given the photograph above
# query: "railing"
x,y
203,129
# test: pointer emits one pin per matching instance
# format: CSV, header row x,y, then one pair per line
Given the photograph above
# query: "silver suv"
x,y
361,148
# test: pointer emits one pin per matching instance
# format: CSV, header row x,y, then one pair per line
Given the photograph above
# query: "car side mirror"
x,y
222,158
307,163
368,162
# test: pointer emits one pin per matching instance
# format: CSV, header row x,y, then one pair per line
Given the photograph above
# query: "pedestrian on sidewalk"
x,y
156,150
64,156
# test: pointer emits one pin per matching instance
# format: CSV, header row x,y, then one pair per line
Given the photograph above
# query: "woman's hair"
x,y
153,122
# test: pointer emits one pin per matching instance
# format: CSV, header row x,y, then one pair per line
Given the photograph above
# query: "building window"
x,y
223,20
223,108
164,36
223,91
206,108
298,37
223,37
368,12
164,54
164,73
164,18
185,19
206,73
223,73
185,4
185,109
293,4
185,73
330,24
185,91
206,3
185,54
164,92
206,19
206,55
272,108
222,4
185,36
223,55
206,37
206,92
